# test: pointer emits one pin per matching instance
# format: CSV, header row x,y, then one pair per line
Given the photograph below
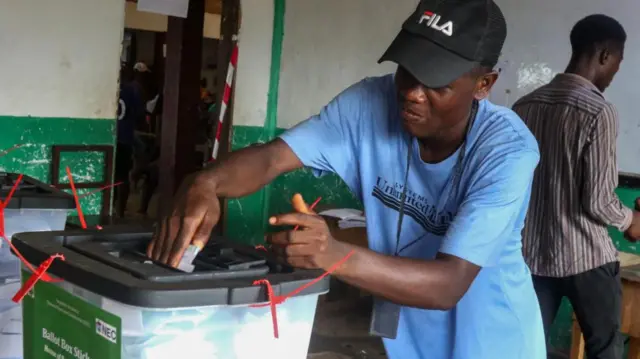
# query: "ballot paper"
x,y
186,263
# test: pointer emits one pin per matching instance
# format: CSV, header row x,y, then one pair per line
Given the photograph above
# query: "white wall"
x,y
57,61
538,46
254,63
329,45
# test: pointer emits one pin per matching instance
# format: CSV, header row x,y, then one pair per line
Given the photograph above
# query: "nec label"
x,y
106,331
435,22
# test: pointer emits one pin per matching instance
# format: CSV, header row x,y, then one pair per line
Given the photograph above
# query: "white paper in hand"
x,y
178,8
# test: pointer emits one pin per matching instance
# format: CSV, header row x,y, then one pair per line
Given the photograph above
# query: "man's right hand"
x,y
196,210
633,232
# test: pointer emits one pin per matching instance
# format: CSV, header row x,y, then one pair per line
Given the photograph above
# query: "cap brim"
x,y
428,62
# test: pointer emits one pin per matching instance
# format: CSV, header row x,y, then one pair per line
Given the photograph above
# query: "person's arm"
x,y
600,174
435,284
249,169
490,215
322,142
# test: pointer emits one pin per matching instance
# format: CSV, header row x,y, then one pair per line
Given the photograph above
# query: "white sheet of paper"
x,y
344,213
178,8
344,224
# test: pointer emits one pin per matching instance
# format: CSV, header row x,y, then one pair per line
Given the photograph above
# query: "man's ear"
x,y
604,55
484,85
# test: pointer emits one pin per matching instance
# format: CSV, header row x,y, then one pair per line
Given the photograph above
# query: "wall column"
x,y
180,115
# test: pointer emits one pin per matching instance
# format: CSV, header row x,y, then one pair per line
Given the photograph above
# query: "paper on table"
x,y
345,213
178,8
344,224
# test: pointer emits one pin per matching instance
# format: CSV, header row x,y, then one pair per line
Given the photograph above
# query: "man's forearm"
x,y
428,284
248,170
609,211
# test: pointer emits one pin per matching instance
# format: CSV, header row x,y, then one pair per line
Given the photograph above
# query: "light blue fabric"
x,y
359,136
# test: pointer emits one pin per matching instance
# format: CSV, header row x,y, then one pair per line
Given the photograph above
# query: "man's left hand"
x,y
311,246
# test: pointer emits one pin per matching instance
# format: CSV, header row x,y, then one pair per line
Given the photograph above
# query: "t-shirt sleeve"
x,y
328,141
492,209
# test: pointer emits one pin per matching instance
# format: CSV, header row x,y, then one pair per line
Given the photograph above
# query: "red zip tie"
x,y
274,300
3,205
35,277
101,189
83,223
260,247
41,272
24,261
313,205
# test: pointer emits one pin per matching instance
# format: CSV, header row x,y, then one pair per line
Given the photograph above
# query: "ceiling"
x,y
210,6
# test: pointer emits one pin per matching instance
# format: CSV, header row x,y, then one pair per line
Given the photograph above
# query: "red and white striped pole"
x,y
225,100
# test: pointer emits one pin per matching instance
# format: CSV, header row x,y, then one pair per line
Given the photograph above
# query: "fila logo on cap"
x,y
433,21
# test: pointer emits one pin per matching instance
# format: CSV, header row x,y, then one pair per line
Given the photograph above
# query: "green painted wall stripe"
x,y
38,134
271,123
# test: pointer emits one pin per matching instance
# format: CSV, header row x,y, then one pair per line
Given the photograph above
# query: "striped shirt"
x,y
573,199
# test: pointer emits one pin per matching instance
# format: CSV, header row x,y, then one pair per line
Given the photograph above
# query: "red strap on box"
x,y
83,223
274,300
35,277
3,205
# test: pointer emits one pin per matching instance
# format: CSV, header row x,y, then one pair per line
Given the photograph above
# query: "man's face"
x,y
428,112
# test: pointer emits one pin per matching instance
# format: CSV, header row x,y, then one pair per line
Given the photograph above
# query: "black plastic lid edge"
x,y
52,199
115,285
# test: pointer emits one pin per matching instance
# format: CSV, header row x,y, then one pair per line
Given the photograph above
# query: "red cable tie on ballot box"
x,y
41,272
274,300
3,204
83,223
35,277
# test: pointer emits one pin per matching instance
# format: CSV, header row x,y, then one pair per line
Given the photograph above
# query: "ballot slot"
x,y
218,260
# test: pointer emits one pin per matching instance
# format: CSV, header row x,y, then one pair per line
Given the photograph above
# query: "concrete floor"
x,y
341,331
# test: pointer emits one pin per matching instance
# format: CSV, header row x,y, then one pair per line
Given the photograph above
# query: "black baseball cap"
x,y
443,39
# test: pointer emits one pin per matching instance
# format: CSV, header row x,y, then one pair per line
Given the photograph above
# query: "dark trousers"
x,y
596,298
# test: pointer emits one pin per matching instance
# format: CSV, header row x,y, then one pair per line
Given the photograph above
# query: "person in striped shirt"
x,y
565,239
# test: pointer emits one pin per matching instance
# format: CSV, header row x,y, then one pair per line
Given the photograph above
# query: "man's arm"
x,y
322,142
601,173
436,284
249,169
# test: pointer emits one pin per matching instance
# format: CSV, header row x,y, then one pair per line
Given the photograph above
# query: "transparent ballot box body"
x,y
33,207
113,302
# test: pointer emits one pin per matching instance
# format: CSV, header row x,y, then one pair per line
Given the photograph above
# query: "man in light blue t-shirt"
x,y
444,176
